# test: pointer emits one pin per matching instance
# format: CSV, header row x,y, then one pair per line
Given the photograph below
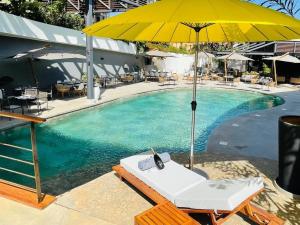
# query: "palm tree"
x,y
290,7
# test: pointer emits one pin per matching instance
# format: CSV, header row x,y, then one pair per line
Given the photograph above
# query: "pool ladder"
x,y
34,163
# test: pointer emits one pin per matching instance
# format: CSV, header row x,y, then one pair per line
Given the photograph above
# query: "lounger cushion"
x,y
218,194
187,189
169,182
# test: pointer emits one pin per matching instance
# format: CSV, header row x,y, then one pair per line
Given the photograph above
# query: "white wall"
x,y
179,63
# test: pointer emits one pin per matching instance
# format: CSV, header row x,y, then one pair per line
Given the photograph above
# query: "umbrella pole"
x,y
275,72
194,102
225,66
30,60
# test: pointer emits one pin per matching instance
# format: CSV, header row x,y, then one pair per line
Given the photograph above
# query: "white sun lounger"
x,y
193,193
187,189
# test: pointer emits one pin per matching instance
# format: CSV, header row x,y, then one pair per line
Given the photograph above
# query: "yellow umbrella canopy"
x,y
220,20
198,21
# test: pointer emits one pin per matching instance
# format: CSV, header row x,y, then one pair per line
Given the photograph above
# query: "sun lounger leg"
x,y
120,177
213,219
260,216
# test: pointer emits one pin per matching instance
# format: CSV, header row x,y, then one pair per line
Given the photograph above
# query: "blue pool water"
x,y
78,147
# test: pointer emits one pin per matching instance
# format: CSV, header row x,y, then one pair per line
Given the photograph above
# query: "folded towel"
x,y
149,163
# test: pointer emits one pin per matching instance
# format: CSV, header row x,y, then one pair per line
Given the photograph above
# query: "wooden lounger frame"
x,y
254,213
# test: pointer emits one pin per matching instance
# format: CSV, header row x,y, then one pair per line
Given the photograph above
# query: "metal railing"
x,y
34,163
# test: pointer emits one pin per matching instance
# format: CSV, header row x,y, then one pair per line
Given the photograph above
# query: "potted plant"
x,y
84,77
266,70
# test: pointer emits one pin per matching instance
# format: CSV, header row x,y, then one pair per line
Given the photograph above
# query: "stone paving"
x,y
108,201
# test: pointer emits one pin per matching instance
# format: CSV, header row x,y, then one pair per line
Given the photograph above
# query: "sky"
x,y
297,2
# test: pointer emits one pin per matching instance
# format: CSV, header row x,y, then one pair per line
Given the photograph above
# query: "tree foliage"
x,y
290,7
54,13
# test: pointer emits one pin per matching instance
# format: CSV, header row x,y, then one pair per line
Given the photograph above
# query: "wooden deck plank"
x,y
167,214
160,216
24,196
154,217
167,220
171,212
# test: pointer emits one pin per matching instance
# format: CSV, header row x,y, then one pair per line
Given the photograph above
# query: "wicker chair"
x,y
80,90
62,89
295,80
280,79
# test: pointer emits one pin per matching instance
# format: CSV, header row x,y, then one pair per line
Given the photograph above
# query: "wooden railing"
x,y
33,149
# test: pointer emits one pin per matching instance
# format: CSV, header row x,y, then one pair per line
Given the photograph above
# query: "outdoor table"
x,y
23,99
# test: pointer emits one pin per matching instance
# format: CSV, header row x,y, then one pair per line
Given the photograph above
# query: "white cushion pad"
x,y
218,194
169,182
187,189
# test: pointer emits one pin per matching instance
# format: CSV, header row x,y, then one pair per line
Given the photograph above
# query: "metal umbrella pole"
x,y
89,54
194,102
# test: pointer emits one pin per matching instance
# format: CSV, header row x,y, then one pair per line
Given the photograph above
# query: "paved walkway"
x,y
108,201
255,133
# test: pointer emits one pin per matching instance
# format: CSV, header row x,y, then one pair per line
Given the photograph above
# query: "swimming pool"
x,y
81,146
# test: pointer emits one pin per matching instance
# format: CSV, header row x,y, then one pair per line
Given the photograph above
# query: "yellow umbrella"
x,y
195,21
218,20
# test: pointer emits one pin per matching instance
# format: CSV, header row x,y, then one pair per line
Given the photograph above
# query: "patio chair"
x,y
62,89
162,80
7,103
80,90
173,78
42,99
127,79
265,82
295,80
193,193
147,75
281,79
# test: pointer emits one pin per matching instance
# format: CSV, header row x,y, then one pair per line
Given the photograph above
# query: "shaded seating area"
x,y
26,99
8,103
70,88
